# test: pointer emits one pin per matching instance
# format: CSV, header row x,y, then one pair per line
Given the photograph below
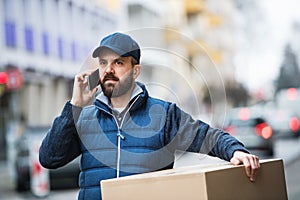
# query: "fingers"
x,y
252,165
81,81
93,91
82,76
81,96
255,165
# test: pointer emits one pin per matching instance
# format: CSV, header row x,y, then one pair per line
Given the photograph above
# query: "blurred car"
x,y
285,122
288,99
64,177
249,127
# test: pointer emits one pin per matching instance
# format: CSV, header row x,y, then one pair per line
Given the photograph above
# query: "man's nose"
x,y
109,68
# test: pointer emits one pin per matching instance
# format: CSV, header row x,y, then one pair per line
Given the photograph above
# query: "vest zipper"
x,y
119,135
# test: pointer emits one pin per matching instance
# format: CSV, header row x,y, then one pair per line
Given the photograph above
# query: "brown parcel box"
x,y
220,181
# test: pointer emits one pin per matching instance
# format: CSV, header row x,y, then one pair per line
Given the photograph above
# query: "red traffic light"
x,y
3,77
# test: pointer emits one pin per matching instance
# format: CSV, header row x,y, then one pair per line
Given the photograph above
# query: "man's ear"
x,y
136,71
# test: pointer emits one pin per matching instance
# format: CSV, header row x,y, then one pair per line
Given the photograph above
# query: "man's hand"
x,y
81,97
251,163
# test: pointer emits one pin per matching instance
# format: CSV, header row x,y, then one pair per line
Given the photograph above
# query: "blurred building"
x,y
209,28
43,45
187,48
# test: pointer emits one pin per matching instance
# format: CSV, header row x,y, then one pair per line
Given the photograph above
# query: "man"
x,y
126,131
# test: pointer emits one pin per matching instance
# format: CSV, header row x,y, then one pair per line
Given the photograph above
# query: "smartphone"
x,y
94,80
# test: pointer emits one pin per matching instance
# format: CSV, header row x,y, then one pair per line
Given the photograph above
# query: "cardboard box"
x,y
211,182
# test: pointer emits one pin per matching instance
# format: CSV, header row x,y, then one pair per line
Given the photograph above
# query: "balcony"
x,y
194,6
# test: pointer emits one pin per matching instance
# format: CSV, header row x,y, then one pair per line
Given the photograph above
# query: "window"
x,y
9,24
28,39
10,33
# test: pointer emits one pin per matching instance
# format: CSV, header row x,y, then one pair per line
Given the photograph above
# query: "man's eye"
x,y
102,62
119,62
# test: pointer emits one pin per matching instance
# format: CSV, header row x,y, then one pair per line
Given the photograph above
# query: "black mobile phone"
x,y
94,79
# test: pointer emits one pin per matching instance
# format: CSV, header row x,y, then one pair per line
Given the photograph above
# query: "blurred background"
x,y
231,63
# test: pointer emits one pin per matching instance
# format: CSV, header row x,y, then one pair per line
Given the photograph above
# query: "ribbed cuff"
x,y
71,111
240,148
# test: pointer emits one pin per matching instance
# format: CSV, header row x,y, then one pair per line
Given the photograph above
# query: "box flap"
x,y
183,159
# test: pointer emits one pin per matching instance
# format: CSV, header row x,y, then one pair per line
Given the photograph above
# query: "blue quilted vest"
x,y
111,149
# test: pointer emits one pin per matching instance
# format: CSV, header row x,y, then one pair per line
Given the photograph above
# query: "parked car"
x,y
64,177
288,99
252,129
285,122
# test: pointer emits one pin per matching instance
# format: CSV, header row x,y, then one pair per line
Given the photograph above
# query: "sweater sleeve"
x,y
61,144
184,133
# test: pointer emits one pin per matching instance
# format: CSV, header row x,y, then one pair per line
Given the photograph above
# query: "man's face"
x,y
117,73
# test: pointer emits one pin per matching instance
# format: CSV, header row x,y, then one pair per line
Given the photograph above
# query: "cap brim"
x,y
98,50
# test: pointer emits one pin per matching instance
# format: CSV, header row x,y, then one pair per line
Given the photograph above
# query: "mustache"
x,y
110,77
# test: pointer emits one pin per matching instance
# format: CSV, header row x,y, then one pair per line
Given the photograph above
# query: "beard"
x,y
119,88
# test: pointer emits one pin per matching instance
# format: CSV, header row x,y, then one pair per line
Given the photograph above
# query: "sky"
x,y
259,67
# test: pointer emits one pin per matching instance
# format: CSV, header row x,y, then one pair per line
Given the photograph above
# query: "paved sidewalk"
x,y
7,183
291,152
7,189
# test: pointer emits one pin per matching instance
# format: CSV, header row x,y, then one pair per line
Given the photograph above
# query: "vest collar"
x,y
136,91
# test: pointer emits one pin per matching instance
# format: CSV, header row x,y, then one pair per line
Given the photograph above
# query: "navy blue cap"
x,y
121,44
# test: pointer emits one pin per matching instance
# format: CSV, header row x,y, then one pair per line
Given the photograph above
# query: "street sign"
x,y
15,79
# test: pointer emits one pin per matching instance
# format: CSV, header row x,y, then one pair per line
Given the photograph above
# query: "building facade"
x,y
46,43
187,47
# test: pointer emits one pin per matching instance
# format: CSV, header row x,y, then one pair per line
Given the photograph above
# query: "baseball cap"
x,y
121,44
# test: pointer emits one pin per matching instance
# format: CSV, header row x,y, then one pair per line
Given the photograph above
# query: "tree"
x,y
289,75
236,94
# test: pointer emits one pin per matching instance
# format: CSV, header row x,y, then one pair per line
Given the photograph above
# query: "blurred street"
x,y
287,149
292,178
8,192
233,64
